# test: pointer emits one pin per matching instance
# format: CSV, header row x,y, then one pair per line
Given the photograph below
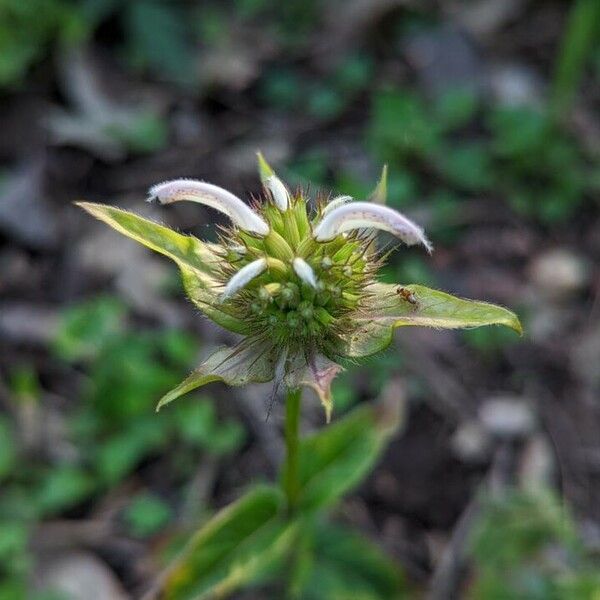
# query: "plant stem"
x,y
291,482
575,48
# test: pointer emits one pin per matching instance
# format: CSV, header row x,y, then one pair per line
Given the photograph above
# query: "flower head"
x,y
299,285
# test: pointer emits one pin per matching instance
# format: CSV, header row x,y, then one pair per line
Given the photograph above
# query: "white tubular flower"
x,y
243,277
210,195
279,192
337,201
364,215
304,271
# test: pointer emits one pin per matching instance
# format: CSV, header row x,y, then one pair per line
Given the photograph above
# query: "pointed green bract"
x,y
198,261
183,249
397,306
379,194
205,299
251,361
236,547
317,373
264,168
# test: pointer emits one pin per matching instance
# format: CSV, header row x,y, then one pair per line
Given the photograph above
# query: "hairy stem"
x,y
291,482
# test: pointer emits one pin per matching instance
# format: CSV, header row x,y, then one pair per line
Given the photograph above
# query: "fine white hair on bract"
x,y
366,215
243,277
211,195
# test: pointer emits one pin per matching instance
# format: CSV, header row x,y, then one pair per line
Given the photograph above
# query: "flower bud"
x,y
304,271
243,277
279,193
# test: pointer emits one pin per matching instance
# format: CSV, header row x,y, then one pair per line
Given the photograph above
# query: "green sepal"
x,y
397,306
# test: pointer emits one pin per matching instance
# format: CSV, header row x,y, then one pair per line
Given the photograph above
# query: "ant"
x,y
406,295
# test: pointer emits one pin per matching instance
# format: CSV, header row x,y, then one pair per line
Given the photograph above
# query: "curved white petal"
x,y
363,215
243,277
279,192
337,201
304,271
211,195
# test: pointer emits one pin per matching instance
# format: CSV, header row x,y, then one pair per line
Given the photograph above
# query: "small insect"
x,y
406,295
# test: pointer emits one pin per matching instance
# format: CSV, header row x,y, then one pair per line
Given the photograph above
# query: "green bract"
x,y
298,284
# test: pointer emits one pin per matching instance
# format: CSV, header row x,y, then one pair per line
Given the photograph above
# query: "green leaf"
x,y
145,132
345,564
119,454
196,423
147,515
157,37
253,360
86,328
467,165
337,458
397,306
235,548
577,45
400,127
7,448
64,487
198,261
324,102
512,561
455,108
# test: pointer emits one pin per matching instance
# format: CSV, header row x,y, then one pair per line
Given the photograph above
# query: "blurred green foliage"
x,y
490,342
289,89
256,541
28,30
517,153
526,547
441,149
147,514
336,562
540,169
112,428
153,36
582,33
